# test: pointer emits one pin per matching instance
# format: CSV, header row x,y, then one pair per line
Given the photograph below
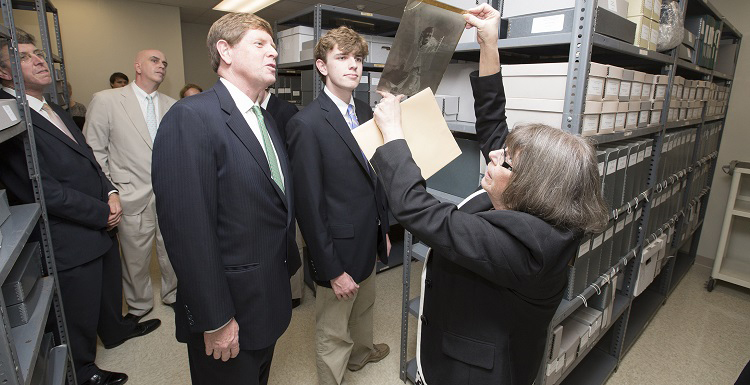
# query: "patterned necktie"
x,y
354,123
55,119
151,117
273,162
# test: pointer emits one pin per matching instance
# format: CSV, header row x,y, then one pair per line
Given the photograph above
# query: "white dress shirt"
x,y
245,105
341,105
141,96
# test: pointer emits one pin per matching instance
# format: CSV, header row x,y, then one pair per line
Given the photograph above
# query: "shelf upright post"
x,y
63,72
41,13
579,59
317,25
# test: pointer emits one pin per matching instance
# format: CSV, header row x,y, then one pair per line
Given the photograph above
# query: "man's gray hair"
x,y
23,38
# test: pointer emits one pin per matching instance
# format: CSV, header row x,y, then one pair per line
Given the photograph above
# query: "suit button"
x,y
423,319
191,323
428,283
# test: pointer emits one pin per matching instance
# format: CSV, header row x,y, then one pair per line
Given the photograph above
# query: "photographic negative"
x,y
424,44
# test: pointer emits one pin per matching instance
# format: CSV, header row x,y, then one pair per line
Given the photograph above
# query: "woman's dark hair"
x,y
556,178
189,86
118,75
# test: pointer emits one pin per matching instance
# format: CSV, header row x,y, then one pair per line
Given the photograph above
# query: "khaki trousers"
x,y
297,280
137,234
343,330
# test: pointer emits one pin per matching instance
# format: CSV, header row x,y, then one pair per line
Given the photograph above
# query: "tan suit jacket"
x,y
116,130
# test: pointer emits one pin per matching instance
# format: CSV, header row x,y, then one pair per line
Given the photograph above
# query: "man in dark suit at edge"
x,y
226,209
82,205
343,211
282,111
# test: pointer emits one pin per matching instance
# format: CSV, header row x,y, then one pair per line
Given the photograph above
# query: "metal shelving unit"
x,y
20,345
631,313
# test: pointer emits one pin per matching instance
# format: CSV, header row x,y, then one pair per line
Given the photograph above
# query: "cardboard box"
x,y
537,81
512,8
648,79
597,77
685,53
308,50
591,115
621,117
644,114
656,109
612,83
636,89
290,43
571,342
688,39
381,47
522,110
634,109
449,106
659,87
456,82
608,117
643,30
626,84
640,8
618,7
654,37
656,16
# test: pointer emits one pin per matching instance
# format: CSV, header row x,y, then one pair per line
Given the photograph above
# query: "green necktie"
x,y
273,162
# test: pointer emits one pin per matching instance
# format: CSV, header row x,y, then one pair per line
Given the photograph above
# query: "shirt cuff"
x,y
113,192
219,328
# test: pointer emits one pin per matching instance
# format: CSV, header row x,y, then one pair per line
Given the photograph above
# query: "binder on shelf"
x,y
595,258
606,257
578,271
609,183
23,275
619,186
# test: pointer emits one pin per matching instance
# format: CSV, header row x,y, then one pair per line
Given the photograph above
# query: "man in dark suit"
x,y
225,206
343,211
82,205
282,111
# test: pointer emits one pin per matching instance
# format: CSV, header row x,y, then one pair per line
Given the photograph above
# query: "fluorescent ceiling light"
x,y
249,6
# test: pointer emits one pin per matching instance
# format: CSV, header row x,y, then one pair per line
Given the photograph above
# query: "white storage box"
x,y
659,87
648,79
591,114
308,50
644,114
456,82
536,81
656,109
637,88
608,117
545,111
674,107
290,43
642,30
597,77
513,8
634,109
678,86
641,8
646,268
622,115
380,48
612,83
626,84
448,105
654,36
656,10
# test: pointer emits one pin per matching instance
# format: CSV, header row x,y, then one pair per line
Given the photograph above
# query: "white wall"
x,y
103,36
197,64
736,139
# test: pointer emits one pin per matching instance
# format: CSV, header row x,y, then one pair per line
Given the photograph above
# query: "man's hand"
x,y
223,343
388,116
387,245
115,211
344,287
486,20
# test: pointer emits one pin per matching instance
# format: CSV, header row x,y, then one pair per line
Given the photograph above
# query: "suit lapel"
x,y
45,125
133,110
237,123
337,122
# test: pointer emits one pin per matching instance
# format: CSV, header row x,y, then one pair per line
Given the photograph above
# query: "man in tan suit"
x,y
120,127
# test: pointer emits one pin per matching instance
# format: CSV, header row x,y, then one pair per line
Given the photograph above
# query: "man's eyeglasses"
x,y
26,56
506,160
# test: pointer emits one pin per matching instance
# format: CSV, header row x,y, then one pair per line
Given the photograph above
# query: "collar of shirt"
x,y
243,102
264,105
141,94
340,103
34,103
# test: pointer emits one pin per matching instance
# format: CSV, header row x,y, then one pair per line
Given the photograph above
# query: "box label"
x,y
584,248
620,119
548,24
632,119
643,117
655,116
620,225
645,32
622,162
611,166
661,91
595,87
598,241
654,35
646,91
612,87
628,218
636,89
601,168
641,155
590,123
608,234
607,122
625,89
633,159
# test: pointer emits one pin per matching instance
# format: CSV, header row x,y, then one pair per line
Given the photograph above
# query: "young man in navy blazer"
x,y
342,212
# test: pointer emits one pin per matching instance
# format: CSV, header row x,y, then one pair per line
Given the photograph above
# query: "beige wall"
x,y
102,36
736,139
197,64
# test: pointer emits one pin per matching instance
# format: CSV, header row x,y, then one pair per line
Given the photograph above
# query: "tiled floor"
x,y
696,338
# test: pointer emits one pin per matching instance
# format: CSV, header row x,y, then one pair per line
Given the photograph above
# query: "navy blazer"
x,y
282,111
494,278
341,206
75,188
227,226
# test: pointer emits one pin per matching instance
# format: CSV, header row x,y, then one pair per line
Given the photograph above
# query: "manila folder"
x,y
431,143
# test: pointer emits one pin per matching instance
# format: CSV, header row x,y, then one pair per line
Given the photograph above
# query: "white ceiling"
x,y
201,12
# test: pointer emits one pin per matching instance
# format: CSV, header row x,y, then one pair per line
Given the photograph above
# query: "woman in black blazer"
x,y
497,271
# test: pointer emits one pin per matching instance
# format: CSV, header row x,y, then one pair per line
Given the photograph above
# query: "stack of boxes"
x,y
717,100
297,44
687,99
645,14
706,32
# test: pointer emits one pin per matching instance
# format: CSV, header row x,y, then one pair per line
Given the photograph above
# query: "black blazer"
x,y
495,277
281,111
341,206
228,228
75,188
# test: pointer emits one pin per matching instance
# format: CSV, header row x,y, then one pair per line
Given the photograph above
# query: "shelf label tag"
x,y
548,24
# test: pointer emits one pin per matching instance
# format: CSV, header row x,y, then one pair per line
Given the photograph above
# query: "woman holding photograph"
x,y
497,271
